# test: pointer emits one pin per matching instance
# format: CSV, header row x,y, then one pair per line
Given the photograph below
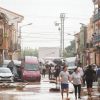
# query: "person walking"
x,y
81,71
11,65
49,69
57,71
63,78
89,75
98,78
77,81
43,70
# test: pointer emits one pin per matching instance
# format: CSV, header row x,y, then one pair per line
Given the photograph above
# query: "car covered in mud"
x,y
6,75
30,69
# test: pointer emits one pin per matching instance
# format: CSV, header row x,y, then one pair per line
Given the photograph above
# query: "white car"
x,y
6,75
71,69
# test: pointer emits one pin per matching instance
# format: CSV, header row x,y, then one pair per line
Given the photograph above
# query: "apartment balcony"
x,y
96,17
89,45
96,38
96,2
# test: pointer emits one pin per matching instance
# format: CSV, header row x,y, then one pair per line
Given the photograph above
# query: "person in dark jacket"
x,y
11,65
89,76
98,78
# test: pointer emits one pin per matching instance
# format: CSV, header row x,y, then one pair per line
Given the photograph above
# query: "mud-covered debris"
x,y
20,87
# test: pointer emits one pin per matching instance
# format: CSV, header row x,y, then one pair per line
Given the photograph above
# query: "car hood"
x,y
6,74
32,73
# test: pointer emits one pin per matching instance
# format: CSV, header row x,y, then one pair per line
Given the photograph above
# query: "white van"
x,y
71,64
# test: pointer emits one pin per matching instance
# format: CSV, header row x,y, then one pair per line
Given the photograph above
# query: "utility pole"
x,y
62,18
61,29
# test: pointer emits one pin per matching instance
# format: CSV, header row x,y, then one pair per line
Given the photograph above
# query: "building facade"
x,y
77,41
90,55
9,34
96,33
82,44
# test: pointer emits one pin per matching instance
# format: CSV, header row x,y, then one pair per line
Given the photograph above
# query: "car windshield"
x,y
71,64
33,67
5,70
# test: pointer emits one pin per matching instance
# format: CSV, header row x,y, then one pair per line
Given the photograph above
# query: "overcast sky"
x,y
43,14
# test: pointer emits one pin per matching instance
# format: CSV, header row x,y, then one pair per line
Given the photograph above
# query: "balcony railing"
x,y
89,45
96,39
96,17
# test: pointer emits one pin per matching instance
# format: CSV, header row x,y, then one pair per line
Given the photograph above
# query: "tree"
x,y
30,52
70,50
35,52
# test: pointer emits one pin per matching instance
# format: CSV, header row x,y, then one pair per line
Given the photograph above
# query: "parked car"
x,y
6,75
30,69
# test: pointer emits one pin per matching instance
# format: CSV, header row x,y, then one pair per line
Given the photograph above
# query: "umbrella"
x,y
57,61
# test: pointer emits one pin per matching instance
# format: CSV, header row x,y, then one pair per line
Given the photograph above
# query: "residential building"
x,y
82,44
9,34
90,54
96,33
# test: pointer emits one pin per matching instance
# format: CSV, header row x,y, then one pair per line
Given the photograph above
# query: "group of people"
x,y
76,79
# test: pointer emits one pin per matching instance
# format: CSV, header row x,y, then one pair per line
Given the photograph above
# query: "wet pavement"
x,y
37,91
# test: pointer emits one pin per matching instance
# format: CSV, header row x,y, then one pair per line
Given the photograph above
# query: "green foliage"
x,y
70,50
30,52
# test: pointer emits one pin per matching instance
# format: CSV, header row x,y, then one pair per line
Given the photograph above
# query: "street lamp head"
x,y
26,25
82,24
29,24
56,23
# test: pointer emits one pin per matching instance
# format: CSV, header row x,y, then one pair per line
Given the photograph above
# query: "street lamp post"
x,y
20,36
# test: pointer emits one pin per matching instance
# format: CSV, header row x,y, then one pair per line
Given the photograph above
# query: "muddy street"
x,y
32,91
36,91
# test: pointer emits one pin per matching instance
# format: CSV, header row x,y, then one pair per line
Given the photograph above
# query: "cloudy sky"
x,y
43,14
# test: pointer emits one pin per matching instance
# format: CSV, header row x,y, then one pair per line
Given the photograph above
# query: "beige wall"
x,y
89,31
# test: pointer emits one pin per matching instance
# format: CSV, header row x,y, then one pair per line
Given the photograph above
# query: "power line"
x,y
54,17
46,33
45,39
27,37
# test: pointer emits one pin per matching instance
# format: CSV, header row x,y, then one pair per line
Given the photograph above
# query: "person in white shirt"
x,y
64,77
81,71
77,81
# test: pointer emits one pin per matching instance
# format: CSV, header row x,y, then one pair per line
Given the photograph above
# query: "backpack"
x,y
98,73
